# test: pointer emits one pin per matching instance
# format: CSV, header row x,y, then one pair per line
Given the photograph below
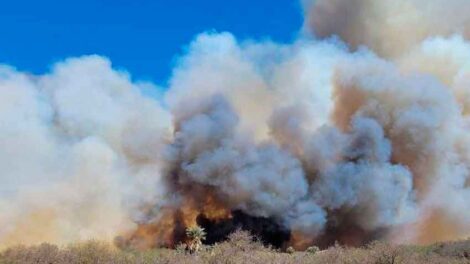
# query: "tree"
x,y
195,236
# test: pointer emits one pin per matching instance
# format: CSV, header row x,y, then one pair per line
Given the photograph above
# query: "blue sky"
x,y
142,36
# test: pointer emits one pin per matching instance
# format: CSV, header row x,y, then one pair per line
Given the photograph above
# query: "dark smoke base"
x,y
267,230
271,233
340,230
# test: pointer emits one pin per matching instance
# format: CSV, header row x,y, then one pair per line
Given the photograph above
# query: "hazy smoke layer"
x,y
328,143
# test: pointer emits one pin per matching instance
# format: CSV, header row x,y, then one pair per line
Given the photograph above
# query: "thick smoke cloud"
x,y
327,143
77,145
388,27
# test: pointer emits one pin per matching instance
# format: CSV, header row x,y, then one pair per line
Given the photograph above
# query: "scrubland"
x,y
239,248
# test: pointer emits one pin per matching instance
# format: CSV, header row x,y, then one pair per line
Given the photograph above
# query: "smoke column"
x,y
356,131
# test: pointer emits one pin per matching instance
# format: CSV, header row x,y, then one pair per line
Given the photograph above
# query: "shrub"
x,y
239,248
244,241
290,250
312,250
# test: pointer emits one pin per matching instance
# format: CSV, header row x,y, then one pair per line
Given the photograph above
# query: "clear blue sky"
x,y
142,36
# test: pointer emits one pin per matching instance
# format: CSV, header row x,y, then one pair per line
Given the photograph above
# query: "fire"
x,y
149,235
169,229
189,214
300,241
214,210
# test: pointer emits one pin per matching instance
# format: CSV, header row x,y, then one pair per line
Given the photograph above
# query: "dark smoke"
x,y
267,230
340,230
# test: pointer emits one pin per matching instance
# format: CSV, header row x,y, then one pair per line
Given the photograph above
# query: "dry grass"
x,y
240,248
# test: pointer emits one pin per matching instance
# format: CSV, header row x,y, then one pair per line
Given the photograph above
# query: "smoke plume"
x,y
388,27
350,138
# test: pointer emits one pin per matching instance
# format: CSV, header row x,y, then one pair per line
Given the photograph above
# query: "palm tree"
x,y
195,235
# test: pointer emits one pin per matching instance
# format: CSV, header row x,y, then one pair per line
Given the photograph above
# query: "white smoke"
x,y
76,144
